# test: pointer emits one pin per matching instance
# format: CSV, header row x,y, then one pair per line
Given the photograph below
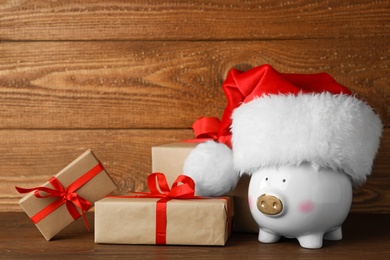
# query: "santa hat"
x,y
274,119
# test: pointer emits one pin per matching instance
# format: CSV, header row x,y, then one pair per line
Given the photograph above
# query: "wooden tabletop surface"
x,y
366,236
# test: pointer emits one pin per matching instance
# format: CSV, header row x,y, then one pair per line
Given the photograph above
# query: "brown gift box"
x,y
120,220
169,159
98,187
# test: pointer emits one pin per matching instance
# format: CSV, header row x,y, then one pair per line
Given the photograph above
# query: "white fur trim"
x,y
334,131
210,165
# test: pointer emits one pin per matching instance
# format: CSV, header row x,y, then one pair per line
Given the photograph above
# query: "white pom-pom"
x,y
210,165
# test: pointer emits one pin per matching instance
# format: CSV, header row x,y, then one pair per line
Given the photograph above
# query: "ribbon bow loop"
x,y
206,128
37,191
183,187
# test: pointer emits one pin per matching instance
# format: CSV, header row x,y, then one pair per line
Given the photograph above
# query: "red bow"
x,y
66,196
182,188
205,128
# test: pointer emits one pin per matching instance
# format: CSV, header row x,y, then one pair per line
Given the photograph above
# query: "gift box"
x,y
169,158
67,195
189,222
167,219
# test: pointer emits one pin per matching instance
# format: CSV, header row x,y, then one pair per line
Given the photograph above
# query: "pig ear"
x,y
210,165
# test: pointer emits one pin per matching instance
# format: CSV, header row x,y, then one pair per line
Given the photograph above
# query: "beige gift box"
x,y
169,159
120,220
96,188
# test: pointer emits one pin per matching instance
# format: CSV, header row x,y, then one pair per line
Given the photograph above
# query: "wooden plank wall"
x,y
121,76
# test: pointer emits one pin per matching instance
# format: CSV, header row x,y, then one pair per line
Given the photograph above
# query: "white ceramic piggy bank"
x,y
303,202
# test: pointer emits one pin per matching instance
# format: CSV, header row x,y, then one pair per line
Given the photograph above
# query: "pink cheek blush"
x,y
306,206
250,201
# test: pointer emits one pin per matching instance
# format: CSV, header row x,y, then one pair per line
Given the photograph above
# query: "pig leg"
x,y
311,241
335,234
267,236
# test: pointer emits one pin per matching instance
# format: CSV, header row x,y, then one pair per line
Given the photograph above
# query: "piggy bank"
x,y
306,202
305,140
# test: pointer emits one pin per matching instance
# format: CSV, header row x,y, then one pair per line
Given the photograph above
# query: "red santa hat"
x,y
274,119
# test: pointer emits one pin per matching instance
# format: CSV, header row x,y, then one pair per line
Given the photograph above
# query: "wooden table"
x,y
366,236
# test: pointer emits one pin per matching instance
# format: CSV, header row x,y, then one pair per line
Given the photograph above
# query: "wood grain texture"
x,y
30,157
121,76
374,195
365,236
192,20
161,84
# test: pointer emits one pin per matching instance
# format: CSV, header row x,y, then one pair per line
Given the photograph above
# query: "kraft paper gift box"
x,y
86,176
121,220
169,159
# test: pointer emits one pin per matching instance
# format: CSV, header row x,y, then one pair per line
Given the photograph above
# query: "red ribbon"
x,y
205,128
66,196
182,188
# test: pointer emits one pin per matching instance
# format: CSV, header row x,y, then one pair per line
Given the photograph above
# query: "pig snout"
x,y
269,204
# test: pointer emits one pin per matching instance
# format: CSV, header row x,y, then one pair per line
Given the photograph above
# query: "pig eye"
x,y
266,178
284,180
